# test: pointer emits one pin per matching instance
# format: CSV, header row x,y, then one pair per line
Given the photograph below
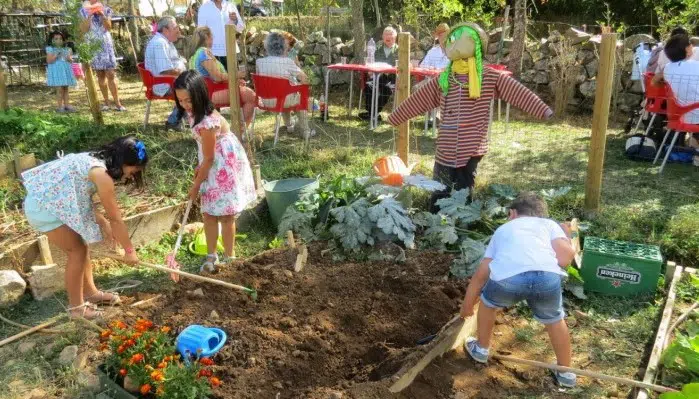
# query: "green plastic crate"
x,y
620,268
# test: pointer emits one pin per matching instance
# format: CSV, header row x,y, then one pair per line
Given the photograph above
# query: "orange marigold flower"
x,y
205,373
162,365
214,381
104,347
121,349
137,358
105,334
122,372
157,375
136,335
129,342
145,388
118,324
206,361
165,329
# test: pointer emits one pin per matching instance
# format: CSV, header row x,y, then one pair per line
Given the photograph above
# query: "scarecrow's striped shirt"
x,y
463,132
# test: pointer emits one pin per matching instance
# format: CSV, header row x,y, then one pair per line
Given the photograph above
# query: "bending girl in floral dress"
x,y
223,177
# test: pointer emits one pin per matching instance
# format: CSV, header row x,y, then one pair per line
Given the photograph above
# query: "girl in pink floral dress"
x,y
223,177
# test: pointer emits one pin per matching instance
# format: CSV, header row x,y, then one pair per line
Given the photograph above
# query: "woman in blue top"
x,y
204,62
59,73
59,205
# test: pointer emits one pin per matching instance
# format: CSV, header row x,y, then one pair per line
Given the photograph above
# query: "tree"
x,y
358,28
519,37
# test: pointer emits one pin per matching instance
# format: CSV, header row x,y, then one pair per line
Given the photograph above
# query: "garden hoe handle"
x,y
171,262
194,276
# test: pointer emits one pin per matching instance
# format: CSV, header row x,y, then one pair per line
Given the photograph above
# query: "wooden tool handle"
x,y
592,374
31,330
184,220
189,275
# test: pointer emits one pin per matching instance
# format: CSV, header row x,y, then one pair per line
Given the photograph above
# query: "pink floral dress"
x,y
230,186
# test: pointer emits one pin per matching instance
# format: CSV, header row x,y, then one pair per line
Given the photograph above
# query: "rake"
x,y
170,259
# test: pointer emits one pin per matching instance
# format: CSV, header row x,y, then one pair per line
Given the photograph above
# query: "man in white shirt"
x,y
682,74
162,58
658,50
436,58
525,260
278,64
216,14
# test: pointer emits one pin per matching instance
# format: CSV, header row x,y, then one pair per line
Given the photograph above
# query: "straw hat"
x,y
441,28
464,47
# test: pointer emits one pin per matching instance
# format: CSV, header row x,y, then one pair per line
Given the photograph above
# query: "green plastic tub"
x,y
620,268
282,193
109,388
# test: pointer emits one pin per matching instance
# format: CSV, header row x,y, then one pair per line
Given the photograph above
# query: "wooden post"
x,y
503,34
3,91
45,250
600,118
233,89
403,93
136,40
244,48
92,94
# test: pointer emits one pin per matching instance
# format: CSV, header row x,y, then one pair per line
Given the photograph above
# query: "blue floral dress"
x,y
105,59
60,72
229,187
63,189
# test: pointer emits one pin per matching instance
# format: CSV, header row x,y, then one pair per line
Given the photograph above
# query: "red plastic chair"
x,y
655,101
273,87
149,80
214,87
675,116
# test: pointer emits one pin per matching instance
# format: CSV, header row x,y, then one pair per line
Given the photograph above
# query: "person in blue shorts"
x,y
524,261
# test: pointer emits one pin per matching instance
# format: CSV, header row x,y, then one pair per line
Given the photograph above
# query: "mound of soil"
x,y
330,327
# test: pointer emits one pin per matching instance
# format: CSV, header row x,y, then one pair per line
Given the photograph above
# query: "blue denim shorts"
x,y
39,219
542,290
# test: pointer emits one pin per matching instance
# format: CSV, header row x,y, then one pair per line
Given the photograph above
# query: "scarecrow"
x,y
463,93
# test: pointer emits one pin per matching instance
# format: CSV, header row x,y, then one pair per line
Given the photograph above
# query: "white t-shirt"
x,y
523,245
209,15
683,78
435,58
161,55
663,60
282,67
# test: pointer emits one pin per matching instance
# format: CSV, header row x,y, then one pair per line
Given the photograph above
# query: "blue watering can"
x,y
200,341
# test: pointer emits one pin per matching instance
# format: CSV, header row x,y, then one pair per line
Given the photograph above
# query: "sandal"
x,y
104,107
119,108
89,312
209,264
99,298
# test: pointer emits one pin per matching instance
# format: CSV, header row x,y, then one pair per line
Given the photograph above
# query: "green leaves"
x,y
457,207
683,354
353,226
504,191
689,391
554,193
472,252
439,230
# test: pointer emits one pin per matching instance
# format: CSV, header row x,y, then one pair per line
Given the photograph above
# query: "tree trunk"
x,y
134,28
3,91
358,33
92,94
298,17
519,37
378,12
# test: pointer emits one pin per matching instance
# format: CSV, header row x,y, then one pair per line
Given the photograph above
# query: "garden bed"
x,y
349,327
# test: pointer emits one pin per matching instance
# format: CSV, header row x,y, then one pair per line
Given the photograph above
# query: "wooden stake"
x,y
652,368
257,175
233,89
45,250
30,331
3,91
450,337
146,301
403,92
591,374
290,239
17,162
92,94
301,258
600,118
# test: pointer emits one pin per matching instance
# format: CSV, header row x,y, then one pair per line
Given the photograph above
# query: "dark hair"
x,y
676,48
193,82
49,41
126,150
529,203
678,31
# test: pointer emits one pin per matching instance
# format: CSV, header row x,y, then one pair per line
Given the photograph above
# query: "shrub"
x,y
680,240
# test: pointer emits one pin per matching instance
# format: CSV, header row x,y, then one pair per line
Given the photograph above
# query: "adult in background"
x,y
662,58
204,62
278,64
387,53
96,24
436,58
162,58
682,74
216,14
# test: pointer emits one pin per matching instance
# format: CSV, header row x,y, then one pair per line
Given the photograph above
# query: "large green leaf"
x,y
353,227
391,218
504,191
472,252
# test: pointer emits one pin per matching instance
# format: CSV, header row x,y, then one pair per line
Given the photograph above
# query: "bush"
x,y
339,25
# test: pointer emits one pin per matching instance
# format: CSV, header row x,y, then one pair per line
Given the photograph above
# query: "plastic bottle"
x,y
322,103
370,51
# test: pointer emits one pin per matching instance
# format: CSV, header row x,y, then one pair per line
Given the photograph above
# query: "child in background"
x,y
59,72
524,261
223,176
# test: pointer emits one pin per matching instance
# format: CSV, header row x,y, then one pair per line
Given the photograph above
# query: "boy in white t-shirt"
x,y
523,261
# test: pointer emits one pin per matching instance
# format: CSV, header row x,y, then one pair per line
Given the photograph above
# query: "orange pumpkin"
x,y
393,179
388,165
